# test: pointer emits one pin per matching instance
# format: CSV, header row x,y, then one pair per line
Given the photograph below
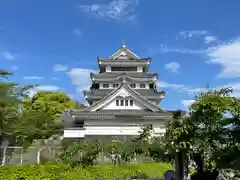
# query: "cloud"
x,y
119,10
33,91
163,84
14,68
210,39
172,66
81,78
59,67
164,49
180,88
8,56
77,32
187,103
33,77
228,57
193,33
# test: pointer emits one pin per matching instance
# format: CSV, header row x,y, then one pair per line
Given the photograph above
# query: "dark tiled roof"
x,y
119,112
104,92
124,60
116,74
80,115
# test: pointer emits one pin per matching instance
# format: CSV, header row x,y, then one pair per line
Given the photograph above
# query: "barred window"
x,y
115,85
131,102
105,85
117,102
122,102
133,85
142,85
126,102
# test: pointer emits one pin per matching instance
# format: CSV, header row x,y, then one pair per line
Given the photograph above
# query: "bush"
x,y
98,172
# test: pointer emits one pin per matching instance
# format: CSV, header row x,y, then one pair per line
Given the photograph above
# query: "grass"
x,y
98,172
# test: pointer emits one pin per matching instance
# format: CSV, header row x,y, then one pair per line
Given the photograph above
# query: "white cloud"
x,y
81,78
59,67
77,32
187,103
210,39
14,68
33,91
8,56
193,33
228,56
33,77
120,10
48,88
163,48
162,84
172,66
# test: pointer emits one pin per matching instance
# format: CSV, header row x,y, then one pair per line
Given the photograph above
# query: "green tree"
x,y
8,104
54,103
207,131
40,118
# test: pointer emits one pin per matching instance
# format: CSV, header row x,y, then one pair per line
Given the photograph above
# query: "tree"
x,y
40,118
207,131
8,105
33,125
54,103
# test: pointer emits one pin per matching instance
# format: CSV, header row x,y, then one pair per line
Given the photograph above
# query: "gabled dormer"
x,y
124,60
124,53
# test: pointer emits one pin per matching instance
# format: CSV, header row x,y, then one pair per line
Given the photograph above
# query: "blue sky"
x,y
55,43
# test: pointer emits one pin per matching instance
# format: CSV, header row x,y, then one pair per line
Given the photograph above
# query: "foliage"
x,y
81,153
53,103
207,130
8,106
34,125
103,172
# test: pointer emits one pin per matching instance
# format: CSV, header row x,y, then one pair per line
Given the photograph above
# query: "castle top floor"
x,y
123,60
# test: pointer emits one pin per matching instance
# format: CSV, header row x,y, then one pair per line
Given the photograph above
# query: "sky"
x,y
193,44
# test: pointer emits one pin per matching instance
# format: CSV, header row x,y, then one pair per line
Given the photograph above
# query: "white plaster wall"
x,y
140,69
73,133
113,129
108,69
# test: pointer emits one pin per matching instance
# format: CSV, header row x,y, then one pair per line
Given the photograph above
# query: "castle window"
x,y
115,85
122,102
133,85
117,102
142,85
105,85
79,124
131,102
126,102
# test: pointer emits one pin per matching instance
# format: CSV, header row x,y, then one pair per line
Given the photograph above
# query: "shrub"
x,y
99,172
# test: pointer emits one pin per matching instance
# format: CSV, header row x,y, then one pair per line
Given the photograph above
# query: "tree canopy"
x,y
211,129
53,103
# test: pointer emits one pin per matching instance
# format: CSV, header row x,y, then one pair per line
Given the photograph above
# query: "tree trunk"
x,y
179,165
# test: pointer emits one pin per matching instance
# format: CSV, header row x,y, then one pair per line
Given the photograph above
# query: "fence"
x,y
17,155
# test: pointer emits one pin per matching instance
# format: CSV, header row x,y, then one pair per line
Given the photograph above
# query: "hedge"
x,y
99,172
